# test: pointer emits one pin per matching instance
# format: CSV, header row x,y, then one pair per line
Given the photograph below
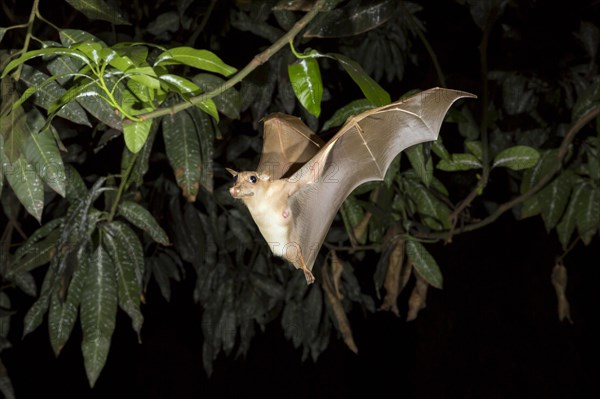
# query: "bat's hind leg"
x,y
307,273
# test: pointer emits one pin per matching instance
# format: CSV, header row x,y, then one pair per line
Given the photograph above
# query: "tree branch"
x,y
258,60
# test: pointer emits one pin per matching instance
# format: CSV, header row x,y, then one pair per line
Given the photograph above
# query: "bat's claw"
x,y
309,276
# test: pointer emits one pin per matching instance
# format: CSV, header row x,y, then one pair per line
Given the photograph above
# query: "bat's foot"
x,y
309,276
307,273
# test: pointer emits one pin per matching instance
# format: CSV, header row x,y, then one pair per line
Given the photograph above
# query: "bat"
x,y
301,183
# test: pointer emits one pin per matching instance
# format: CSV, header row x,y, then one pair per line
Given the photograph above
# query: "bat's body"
x,y
294,212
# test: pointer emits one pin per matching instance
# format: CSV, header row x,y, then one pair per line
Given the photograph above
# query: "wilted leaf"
x,y
418,298
559,281
337,267
424,263
339,315
305,77
98,312
392,278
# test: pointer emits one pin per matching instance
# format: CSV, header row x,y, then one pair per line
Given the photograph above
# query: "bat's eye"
x,y
235,179
252,179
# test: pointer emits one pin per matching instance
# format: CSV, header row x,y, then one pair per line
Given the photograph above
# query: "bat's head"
x,y
247,184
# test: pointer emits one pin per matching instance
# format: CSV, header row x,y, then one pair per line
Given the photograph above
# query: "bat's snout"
x,y
234,191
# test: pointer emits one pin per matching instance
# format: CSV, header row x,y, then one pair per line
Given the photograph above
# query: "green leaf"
x,y
35,314
189,89
35,254
27,185
26,283
531,207
46,91
63,314
590,98
98,312
183,151
143,159
435,213
587,212
424,263
475,148
200,59
128,258
459,162
98,9
423,168
353,108
38,53
440,150
42,152
553,199
567,224
1,160
68,37
136,134
305,78
143,219
2,32
206,135
547,164
165,22
517,158
370,88
229,102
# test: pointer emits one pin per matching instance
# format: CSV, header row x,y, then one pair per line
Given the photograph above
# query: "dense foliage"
x,y
114,138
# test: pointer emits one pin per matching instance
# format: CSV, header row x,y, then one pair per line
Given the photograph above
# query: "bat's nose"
x,y
234,191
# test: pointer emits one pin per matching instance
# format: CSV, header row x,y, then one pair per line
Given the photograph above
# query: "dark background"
x,y
492,332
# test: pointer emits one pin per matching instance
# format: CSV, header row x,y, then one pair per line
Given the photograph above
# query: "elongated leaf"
x,y
27,186
229,102
554,198
143,219
436,214
35,315
423,168
38,53
567,224
370,88
548,163
136,134
35,255
98,312
200,59
63,314
475,148
127,254
98,9
440,150
42,152
342,114
206,135
517,158
68,37
424,263
183,151
459,162
47,91
305,77
188,89
587,212
2,32
1,161
142,161
26,283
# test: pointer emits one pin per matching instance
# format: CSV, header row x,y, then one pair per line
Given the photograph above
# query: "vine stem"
x,y
258,60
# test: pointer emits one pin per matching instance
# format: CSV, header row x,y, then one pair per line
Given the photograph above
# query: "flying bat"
x,y
301,183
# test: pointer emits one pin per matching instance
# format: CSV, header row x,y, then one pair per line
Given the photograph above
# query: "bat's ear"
x,y
233,172
263,176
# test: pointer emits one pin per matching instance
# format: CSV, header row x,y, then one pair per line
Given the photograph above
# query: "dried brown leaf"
x,y
392,281
343,325
559,281
360,231
417,299
337,267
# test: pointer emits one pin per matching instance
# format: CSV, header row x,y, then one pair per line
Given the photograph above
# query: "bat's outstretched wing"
x,y
287,145
361,151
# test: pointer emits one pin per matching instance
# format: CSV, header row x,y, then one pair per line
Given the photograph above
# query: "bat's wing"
x,y
361,151
287,145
